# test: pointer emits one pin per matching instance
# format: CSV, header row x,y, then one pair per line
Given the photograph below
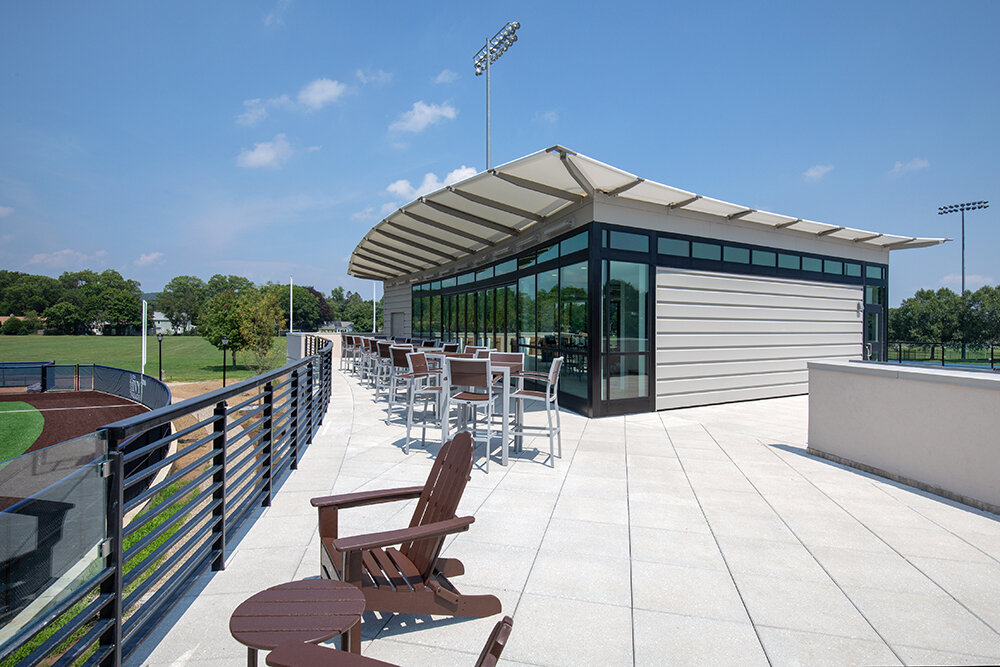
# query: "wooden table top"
x,y
311,610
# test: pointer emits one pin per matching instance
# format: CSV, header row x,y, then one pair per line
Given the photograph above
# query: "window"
x,y
449,282
764,258
788,261
436,285
484,274
573,338
548,305
706,250
851,269
874,273
832,267
505,267
675,247
574,243
812,264
526,260
526,308
626,241
546,254
874,295
738,255
466,278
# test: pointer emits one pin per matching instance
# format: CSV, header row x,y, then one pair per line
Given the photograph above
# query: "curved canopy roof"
x,y
493,206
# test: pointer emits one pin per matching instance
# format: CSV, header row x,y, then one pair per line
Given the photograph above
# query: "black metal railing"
x,y
219,468
945,354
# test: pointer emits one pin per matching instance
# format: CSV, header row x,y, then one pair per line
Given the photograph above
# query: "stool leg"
x,y
548,416
558,428
251,657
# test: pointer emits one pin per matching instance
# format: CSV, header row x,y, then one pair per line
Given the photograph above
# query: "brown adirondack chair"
x,y
302,654
411,579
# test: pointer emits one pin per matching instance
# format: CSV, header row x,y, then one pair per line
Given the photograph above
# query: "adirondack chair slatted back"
x,y
439,499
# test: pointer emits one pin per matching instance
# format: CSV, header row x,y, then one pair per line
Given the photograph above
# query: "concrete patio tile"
x,y
795,647
521,502
581,577
926,621
668,516
912,655
885,571
249,570
684,548
586,537
750,525
672,639
687,591
593,487
403,652
284,530
202,632
748,555
974,585
601,510
836,531
564,631
813,606
491,565
931,543
507,528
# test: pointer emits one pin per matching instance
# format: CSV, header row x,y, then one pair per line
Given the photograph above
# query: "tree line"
x,y
943,316
79,302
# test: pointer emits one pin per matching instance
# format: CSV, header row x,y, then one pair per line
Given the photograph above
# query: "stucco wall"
x,y
936,428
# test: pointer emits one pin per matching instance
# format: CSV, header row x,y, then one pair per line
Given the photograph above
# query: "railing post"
x,y
112,586
269,440
219,480
310,389
293,422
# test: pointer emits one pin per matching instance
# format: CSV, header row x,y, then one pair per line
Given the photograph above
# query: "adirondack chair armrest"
x,y
362,498
391,537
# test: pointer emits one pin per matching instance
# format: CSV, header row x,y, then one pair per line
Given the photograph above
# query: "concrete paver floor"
x,y
701,535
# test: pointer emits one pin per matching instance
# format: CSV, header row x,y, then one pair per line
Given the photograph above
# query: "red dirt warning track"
x,y
75,413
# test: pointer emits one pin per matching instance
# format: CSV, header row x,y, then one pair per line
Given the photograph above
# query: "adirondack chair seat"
x,y
412,578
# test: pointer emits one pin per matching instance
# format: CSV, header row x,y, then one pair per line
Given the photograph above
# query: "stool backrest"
x,y
383,348
417,362
469,372
482,354
513,359
398,353
450,347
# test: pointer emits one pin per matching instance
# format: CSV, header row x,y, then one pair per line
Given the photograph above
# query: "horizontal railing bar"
x,y
139,616
142,519
83,644
51,644
247,504
233,425
189,549
166,525
149,493
169,480
248,401
249,443
58,610
148,447
194,529
234,486
139,423
153,468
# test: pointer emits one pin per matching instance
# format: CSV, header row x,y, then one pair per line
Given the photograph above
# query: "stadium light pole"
x,y
962,208
225,342
490,53
159,339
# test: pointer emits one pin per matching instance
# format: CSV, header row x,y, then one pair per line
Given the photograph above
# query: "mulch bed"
x,y
90,410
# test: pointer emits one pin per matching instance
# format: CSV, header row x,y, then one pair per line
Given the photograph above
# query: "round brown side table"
x,y
311,610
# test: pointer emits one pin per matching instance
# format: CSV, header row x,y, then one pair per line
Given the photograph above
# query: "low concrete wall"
x,y
936,429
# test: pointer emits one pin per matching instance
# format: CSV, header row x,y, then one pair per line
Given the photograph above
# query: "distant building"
x,y
161,324
339,326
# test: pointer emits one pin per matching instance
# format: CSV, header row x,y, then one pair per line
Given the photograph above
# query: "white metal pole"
x,y
488,56
374,285
142,361
290,320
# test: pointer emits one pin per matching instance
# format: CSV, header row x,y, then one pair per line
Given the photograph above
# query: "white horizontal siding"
x,y
397,299
728,338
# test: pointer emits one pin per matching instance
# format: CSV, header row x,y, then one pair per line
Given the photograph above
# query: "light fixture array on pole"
x,y
489,54
955,208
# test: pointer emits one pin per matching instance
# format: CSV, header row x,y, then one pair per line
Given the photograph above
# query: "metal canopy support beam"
x,y
377,272
870,237
684,202
451,230
412,244
444,242
825,232
890,246
377,266
741,214
404,253
575,172
469,217
367,276
788,224
498,205
393,258
537,187
377,257
628,186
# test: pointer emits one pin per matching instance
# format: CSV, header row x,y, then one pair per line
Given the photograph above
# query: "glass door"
x,y
874,336
625,341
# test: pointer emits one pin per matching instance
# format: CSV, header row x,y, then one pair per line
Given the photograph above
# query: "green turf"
x,y
185,358
20,426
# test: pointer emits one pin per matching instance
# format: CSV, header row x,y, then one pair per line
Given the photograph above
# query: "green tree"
x,y
337,300
220,317
30,292
325,311
305,304
259,315
181,300
220,283
14,327
63,318
360,314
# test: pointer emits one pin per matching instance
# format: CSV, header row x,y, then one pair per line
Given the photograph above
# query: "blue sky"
x,y
265,138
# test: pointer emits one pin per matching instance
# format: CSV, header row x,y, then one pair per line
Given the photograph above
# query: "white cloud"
x,y
377,77
66,258
147,258
5,211
277,15
546,117
405,190
817,172
313,149
254,111
972,281
365,215
916,164
317,94
423,115
272,153
446,76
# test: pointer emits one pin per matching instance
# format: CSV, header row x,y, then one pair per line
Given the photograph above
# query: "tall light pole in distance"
x,y
968,206
225,344
490,53
159,339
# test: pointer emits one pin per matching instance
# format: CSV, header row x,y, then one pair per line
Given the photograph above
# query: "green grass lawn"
x,y
185,358
20,426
